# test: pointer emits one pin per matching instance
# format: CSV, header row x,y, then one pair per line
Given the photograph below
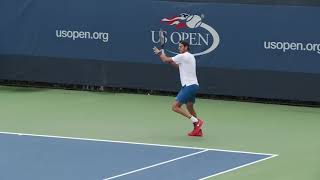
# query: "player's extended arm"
x,y
164,58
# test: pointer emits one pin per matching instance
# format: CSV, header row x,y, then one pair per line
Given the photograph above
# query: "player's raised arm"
x,y
164,58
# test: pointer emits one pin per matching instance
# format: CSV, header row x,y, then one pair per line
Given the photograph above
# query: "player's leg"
x,y
177,107
190,106
190,109
186,96
182,98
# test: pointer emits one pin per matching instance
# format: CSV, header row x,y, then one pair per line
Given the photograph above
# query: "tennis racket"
x,y
162,37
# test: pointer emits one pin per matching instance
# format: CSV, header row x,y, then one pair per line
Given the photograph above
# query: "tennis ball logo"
x,y
194,21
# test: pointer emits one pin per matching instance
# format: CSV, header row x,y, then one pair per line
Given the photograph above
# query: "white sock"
x,y
194,119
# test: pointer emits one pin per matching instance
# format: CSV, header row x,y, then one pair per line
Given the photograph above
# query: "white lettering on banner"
x,y
293,46
72,34
196,39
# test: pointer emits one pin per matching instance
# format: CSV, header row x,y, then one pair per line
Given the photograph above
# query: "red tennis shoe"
x,y
198,125
193,133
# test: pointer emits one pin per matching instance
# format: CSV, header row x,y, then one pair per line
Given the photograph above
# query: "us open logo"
x,y
190,28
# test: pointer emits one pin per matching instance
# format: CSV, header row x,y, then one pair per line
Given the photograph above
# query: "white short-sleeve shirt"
x,y
187,68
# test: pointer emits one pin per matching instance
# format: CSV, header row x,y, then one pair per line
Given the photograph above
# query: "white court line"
x,y
233,169
165,162
137,143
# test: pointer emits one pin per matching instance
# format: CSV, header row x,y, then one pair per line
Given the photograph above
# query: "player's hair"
x,y
185,43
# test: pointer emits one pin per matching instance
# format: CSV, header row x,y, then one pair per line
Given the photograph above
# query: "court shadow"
x,y
15,89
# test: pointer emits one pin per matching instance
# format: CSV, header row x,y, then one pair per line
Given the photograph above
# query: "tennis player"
x,y
186,63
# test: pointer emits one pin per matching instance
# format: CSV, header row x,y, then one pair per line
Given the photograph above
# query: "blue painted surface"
x,y
38,158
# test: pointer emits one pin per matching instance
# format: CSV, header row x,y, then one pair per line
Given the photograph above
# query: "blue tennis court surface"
x,y
39,157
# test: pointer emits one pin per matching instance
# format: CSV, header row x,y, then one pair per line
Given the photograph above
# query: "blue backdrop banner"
x,y
280,38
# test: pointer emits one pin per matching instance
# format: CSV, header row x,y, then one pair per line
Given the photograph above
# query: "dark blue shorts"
x,y
187,94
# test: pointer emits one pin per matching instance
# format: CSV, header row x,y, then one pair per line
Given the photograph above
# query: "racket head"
x,y
162,37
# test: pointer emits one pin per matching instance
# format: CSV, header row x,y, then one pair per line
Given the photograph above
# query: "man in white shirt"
x,y
186,63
